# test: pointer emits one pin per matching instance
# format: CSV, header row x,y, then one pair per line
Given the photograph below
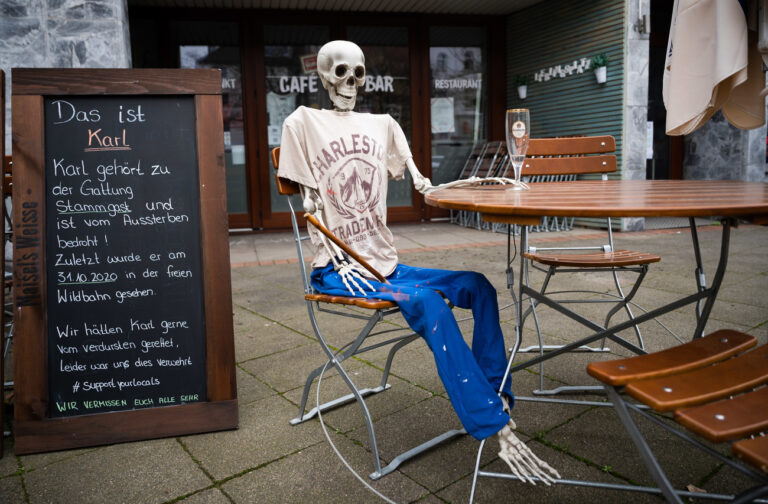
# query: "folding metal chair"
x,y
379,310
487,162
470,165
579,156
711,387
7,268
715,389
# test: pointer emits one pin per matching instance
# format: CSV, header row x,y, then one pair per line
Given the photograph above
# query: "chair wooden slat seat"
x,y
705,384
728,419
700,352
371,304
617,258
753,451
701,372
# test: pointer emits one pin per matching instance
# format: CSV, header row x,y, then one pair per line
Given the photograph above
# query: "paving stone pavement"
x,y
268,460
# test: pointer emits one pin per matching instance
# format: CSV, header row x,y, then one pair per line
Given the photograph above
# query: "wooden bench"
x,y
715,385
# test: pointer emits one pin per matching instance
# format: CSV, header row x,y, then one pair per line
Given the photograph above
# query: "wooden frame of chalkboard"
x,y
37,428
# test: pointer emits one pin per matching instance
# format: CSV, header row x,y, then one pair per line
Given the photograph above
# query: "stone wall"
x,y
718,151
62,34
635,103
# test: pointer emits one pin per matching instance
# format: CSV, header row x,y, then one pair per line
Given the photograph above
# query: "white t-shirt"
x,y
347,157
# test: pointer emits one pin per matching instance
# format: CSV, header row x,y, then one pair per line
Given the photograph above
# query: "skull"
x,y
341,67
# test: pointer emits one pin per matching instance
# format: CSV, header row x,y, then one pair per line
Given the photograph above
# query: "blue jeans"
x,y
471,377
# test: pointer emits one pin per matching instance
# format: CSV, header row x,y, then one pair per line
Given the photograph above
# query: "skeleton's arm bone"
x,y
420,182
424,185
343,246
313,206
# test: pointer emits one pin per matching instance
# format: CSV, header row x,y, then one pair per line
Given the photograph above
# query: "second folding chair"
x,y
580,156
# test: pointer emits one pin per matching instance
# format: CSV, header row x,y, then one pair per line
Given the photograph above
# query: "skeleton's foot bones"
x,y
521,460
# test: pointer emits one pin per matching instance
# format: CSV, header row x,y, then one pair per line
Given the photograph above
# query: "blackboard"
x,y
122,298
123,254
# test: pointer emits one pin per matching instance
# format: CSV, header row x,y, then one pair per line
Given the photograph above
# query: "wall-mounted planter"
x,y
522,91
601,74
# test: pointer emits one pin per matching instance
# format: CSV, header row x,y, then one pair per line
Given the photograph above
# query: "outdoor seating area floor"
x,y
268,460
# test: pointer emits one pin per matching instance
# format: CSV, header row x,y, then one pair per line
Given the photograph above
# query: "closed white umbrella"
x,y
712,62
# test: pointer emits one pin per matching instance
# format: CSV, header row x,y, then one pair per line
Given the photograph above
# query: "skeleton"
x,y
341,68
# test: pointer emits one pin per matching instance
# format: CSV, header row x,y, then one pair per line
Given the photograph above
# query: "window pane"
x,y
290,55
457,60
387,87
228,60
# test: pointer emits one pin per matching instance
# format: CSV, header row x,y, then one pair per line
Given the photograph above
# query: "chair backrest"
x,y
489,159
289,189
7,193
471,163
284,186
553,159
570,156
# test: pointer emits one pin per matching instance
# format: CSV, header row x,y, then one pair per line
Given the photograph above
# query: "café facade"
x,y
446,70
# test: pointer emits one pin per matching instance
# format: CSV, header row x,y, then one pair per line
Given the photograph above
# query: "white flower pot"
x,y
600,74
522,92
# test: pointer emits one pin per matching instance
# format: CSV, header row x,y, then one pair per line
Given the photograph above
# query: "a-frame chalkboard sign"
x,y
122,297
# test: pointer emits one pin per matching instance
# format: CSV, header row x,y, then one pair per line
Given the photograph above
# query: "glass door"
x,y
217,45
228,60
290,67
387,90
459,97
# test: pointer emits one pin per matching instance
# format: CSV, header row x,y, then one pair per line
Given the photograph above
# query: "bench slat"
x,y
700,352
728,419
754,451
704,384
604,259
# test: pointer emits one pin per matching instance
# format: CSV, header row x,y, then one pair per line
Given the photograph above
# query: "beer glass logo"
x,y
518,129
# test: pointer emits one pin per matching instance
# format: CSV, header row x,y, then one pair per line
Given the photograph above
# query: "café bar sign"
x,y
301,84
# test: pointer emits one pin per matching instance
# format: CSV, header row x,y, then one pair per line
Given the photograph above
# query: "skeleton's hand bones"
x,y
424,185
350,275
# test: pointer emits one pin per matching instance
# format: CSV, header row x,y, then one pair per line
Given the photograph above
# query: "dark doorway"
x,y
667,162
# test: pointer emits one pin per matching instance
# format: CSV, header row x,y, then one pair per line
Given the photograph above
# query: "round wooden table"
x,y
729,199
610,198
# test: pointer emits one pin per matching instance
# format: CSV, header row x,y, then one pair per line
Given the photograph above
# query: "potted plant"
x,y
521,81
599,64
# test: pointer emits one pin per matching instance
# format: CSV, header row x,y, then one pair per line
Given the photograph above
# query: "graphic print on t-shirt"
x,y
353,188
350,174
347,158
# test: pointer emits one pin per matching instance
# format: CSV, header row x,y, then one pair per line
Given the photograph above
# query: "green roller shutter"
x,y
559,32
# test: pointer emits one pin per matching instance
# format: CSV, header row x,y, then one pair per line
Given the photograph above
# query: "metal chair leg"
x,y
624,303
642,446
397,346
302,416
332,358
477,469
541,347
